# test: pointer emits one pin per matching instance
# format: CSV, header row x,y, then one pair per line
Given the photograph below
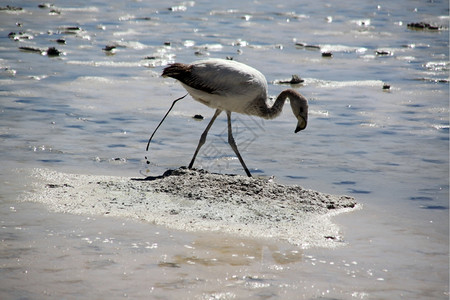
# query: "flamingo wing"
x,y
221,84
218,76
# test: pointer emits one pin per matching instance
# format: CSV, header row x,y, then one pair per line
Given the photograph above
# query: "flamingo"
x,y
231,86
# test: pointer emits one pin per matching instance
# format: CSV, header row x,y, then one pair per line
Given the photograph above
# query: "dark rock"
x,y
45,5
109,48
19,36
52,51
307,46
12,8
383,52
31,49
294,80
423,25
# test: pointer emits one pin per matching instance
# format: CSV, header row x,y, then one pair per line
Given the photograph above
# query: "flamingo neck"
x,y
261,109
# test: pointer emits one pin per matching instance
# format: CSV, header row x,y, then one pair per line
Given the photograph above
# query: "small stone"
x,y
45,5
31,49
11,8
296,80
109,48
423,25
383,52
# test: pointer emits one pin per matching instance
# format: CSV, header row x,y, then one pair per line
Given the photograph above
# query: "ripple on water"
x,y
345,183
421,198
434,207
433,161
356,191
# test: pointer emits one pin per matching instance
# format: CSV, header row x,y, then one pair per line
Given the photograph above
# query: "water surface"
x,y
91,111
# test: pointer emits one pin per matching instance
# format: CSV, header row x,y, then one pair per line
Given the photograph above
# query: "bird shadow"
x,y
178,172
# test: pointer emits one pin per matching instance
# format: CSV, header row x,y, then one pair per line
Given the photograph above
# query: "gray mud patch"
x,y
195,200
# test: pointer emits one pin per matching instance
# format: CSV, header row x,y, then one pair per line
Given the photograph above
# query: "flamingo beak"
x,y
302,122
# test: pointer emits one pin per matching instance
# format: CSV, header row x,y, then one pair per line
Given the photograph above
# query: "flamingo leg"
x,y
233,145
203,136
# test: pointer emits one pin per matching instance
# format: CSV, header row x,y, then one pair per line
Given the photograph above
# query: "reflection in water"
x,y
217,251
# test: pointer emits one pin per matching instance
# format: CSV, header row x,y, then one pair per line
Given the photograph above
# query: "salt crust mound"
x,y
195,200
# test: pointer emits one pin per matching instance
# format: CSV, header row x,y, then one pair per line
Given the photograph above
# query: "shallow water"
x,y
91,111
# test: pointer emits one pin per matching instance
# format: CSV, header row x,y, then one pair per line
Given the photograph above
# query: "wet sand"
x,y
196,200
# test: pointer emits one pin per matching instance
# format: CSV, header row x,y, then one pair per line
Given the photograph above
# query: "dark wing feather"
x,y
184,73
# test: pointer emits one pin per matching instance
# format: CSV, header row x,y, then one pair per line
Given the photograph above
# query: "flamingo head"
x,y
299,105
301,124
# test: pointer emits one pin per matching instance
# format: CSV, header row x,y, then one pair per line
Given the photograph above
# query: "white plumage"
x,y
233,87
226,85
